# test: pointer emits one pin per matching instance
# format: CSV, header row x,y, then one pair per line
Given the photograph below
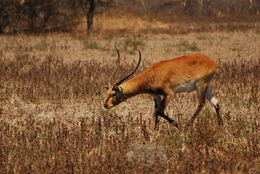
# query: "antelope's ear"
x,y
115,88
106,87
118,89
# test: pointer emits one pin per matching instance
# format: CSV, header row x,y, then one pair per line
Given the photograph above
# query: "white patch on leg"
x,y
214,101
210,97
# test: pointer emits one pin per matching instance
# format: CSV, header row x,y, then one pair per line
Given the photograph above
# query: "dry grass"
x,y
120,22
223,46
52,117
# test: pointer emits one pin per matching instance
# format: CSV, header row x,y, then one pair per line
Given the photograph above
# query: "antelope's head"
x,y
115,94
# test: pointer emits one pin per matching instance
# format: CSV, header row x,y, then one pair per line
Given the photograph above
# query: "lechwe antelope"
x,y
165,78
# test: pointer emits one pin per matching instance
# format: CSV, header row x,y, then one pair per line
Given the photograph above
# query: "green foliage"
x,y
202,37
108,37
42,46
20,55
90,44
187,46
131,45
236,49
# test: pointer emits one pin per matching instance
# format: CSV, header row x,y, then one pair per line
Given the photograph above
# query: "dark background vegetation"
x,y
34,16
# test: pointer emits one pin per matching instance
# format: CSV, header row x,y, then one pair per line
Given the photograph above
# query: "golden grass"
x,y
64,128
52,117
223,46
122,23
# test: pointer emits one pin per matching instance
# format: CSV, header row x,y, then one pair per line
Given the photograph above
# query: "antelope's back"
x,y
183,68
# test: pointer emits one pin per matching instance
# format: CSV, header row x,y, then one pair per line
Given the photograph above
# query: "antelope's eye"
x,y
113,95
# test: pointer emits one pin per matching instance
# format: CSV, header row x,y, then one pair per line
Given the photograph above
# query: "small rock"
x,y
147,158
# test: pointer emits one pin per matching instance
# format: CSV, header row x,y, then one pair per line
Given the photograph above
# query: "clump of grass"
x,y
237,50
131,45
187,46
202,37
42,46
21,55
108,37
90,44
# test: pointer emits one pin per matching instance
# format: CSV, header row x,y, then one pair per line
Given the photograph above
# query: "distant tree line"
x,y
34,16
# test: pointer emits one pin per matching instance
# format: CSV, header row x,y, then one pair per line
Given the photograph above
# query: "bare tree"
x,y
186,5
88,7
254,6
4,13
205,7
190,6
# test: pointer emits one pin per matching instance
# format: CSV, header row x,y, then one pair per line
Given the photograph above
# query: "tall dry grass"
x,y
37,136
123,22
52,117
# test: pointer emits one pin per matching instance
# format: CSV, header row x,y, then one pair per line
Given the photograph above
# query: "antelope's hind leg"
x,y
201,96
215,103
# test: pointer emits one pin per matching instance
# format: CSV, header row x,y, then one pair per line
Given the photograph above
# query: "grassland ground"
x,y
52,117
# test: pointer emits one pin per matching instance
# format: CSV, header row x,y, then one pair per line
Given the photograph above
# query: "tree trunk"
x,y
90,15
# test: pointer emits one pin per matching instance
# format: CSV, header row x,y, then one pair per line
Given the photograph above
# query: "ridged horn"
x,y
116,68
126,77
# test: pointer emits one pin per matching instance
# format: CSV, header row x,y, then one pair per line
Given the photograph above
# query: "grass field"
x,y
52,117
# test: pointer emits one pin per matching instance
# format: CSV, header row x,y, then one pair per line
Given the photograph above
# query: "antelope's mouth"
x,y
107,107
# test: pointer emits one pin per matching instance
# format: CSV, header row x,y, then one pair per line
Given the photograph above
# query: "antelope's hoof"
x,y
188,125
175,125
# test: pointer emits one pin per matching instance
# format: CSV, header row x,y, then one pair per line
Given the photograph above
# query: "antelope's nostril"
x,y
106,106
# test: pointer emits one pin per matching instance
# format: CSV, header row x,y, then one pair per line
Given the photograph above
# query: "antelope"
x,y
164,79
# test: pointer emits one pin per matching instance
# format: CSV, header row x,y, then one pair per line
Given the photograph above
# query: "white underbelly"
x,y
186,87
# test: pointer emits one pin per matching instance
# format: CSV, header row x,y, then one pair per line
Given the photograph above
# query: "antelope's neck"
x,y
132,87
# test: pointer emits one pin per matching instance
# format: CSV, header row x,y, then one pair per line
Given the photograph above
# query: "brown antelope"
x,y
165,78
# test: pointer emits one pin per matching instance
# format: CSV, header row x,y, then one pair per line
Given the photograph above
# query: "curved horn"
x,y
139,61
117,65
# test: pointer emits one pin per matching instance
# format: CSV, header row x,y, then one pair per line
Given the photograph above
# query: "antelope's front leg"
x,y
162,108
157,102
